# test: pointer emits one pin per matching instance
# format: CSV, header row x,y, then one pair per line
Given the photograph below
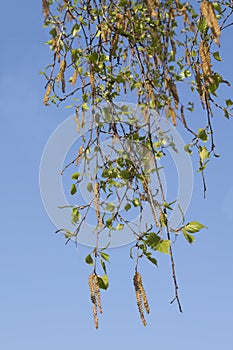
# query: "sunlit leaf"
x,y
75,216
194,226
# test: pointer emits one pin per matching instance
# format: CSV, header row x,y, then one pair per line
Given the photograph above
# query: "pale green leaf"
x,y
75,216
194,226
105,256
89,187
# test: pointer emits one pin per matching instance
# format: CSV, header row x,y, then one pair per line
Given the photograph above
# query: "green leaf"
x,y
153,260
75,216
75,176
119,227
125,174
187,149
194,226
217,56
136,202
68,234
110,206
75,29
202,134
131,252
103,282
108,223
229,103
167,205
89,259
204,153
156,243
73,190
127,206
188,237
202,25
217,7
89,187
104,256
103,266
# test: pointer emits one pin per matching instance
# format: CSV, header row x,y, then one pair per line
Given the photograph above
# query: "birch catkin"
x,y
207,11
140,297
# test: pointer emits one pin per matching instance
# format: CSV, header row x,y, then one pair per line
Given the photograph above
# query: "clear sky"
x,y
44,298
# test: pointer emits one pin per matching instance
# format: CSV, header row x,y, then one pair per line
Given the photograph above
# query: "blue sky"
x,y
44,298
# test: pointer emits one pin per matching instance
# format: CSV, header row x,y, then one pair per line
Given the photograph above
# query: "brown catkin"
x,y
143,293
151,6
95,315
172,114
97,294
92,82
45,7
140,296
62,76
96,203
47,94
207,11
80,152
204,50
74,77
91,284
198,81
114,44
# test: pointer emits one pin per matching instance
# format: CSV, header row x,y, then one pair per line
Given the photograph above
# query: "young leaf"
x,y
75,176
104,256
156,243
188,237
73,189
68,234
75,216
89,187
204,153
217,56
103,282
103,266
89,259
202,134
119,227
110,207
229,103
136,202
153,260
187,149
127,206
194,226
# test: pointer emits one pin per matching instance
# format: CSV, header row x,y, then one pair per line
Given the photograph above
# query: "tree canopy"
x,y
160,54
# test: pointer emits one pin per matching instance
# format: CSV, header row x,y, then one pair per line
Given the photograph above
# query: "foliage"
x,y
152,51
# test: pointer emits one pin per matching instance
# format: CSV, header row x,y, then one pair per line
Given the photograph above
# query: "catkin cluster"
x,y
95,297
141,298
207,11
